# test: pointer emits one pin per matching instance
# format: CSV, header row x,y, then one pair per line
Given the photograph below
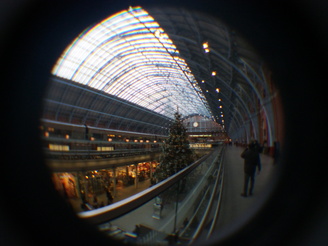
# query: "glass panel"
x,y
173,216
127,51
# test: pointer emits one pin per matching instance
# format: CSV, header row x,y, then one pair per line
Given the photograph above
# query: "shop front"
x,y
92,186
66,184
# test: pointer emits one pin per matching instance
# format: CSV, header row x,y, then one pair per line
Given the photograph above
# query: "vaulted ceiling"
x,y
167,60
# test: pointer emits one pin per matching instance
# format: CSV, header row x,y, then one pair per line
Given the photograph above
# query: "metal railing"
x,y
94,154
174,209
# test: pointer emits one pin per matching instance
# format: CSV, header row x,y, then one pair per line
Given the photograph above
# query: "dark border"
x,y
291,36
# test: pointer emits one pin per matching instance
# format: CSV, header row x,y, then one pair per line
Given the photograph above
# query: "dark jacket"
x,y
252,160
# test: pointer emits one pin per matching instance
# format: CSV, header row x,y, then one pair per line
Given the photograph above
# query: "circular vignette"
x,y
34,38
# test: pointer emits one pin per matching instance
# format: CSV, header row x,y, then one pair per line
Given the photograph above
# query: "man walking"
x,y
252,160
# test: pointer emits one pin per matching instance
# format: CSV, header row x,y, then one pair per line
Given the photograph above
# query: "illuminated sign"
x,y
201,136
58,147
200,145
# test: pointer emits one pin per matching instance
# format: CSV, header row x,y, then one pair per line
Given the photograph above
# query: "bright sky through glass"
x,y
130,56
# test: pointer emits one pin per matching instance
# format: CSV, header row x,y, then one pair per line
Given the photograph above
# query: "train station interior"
x,y
127,123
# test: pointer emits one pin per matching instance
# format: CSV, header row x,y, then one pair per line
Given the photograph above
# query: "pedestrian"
x,y
185,222
95,201
252,160
276,153
259,149
109,197
257,146
137,230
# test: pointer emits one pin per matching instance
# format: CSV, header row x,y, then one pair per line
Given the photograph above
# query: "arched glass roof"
x,y
130,56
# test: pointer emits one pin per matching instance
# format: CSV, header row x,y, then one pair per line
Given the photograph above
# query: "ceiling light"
x,y
205,45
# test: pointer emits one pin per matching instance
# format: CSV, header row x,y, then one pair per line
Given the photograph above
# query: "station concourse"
x,y
234,209
112,97
130,130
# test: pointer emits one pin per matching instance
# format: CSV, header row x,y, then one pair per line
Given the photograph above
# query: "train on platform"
x,y
73,141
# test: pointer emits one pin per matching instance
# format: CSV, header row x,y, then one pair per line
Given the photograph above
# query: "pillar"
x,y
136,180
114,181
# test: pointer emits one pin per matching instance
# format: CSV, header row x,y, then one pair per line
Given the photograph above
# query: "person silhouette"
x,y
252,160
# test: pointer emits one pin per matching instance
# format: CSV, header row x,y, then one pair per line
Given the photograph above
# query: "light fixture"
x,y
217,90
205,45
213,73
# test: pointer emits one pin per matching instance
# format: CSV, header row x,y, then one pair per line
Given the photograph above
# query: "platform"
x,y
236,210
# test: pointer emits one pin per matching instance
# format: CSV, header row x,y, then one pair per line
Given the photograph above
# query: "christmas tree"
x,y
176,154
